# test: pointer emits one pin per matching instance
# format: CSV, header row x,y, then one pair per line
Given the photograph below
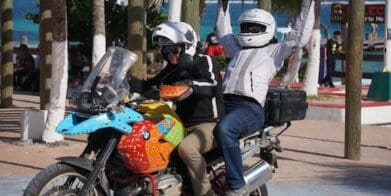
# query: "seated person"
x,y
256,58
203,108
25,67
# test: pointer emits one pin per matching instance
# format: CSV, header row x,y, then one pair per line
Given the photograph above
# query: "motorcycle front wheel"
x,y
59,179
260,191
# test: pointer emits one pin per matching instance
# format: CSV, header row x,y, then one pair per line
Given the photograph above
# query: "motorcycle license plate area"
x,y
283,105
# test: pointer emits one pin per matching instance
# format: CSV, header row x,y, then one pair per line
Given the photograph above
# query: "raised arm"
x,y
224,30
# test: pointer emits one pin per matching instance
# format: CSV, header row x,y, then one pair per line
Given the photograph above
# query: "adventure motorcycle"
x,y
131,143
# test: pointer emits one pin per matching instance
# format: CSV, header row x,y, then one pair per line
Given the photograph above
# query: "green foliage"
x,y
222,62
154,18
80,23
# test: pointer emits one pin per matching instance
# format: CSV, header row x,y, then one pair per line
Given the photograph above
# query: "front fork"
x,y
102,158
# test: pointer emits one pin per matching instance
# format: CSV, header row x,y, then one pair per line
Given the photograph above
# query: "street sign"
x,y
374,13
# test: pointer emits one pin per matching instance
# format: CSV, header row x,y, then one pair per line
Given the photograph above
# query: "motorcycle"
x,y
131,143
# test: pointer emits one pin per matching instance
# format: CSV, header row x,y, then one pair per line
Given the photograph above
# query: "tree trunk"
x,y
7,48
99,42
174,10
60,72
191,14
293,68
137,42
265,4
45,52
310,83
353,80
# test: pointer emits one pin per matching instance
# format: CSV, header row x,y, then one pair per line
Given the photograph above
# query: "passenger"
x,y
255,59
201,110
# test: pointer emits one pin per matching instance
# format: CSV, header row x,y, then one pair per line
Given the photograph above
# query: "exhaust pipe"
x,y
257,175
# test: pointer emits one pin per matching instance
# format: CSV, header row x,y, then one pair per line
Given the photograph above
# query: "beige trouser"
x,y
200,140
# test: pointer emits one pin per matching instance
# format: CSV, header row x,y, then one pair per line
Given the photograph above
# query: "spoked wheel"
x,y
260,191
59,179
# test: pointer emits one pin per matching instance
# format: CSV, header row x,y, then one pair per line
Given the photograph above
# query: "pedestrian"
x,y
255,59
213,48
331,51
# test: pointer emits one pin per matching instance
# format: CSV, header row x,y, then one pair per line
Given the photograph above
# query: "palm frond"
x,y
154,4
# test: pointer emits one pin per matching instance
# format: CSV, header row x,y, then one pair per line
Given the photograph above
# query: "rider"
x,y
256,57
203,108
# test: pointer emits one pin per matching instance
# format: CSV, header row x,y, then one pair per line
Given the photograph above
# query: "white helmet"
x,y
170,33
265,22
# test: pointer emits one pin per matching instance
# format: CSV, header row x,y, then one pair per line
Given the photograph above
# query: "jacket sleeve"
x,y
224,30
301,33
205,80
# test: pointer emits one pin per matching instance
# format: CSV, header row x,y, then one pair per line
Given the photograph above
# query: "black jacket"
x,y
206,102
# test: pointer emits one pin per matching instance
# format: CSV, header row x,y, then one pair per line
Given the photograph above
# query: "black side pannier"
x,y
283,105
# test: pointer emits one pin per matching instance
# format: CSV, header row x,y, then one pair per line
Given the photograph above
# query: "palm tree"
x,y
99,43
313,60
137,36
310,83
45,52
191,13
59,72
265,4
7,48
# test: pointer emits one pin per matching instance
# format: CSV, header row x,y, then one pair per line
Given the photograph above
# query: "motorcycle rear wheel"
x,y
59,179
260,191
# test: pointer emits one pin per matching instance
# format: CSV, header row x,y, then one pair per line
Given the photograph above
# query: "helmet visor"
x,y
252,28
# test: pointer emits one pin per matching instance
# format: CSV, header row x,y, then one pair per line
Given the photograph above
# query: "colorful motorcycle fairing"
x,y
117,120
156,112
148,147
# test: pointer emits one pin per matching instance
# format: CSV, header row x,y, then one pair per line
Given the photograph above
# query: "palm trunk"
x,y
45,52
191,14
293,69
137,42
60,72
7,47
99,43
310,83
174,10
265,4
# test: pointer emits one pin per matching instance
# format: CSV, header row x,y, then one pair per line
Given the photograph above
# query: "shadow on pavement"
x,y
333,141
20,165
370,179
313,153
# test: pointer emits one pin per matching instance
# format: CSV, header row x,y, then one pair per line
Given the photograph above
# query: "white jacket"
x,y
250,70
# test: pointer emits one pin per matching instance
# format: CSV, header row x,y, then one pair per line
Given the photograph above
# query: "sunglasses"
x,y
174,49
252,28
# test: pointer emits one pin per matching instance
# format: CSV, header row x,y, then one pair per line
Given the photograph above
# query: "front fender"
x,y
117,120
79,162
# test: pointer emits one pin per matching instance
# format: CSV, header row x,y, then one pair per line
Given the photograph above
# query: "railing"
x,y
366,57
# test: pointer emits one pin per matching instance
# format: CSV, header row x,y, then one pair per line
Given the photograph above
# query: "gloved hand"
x,y
185,61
